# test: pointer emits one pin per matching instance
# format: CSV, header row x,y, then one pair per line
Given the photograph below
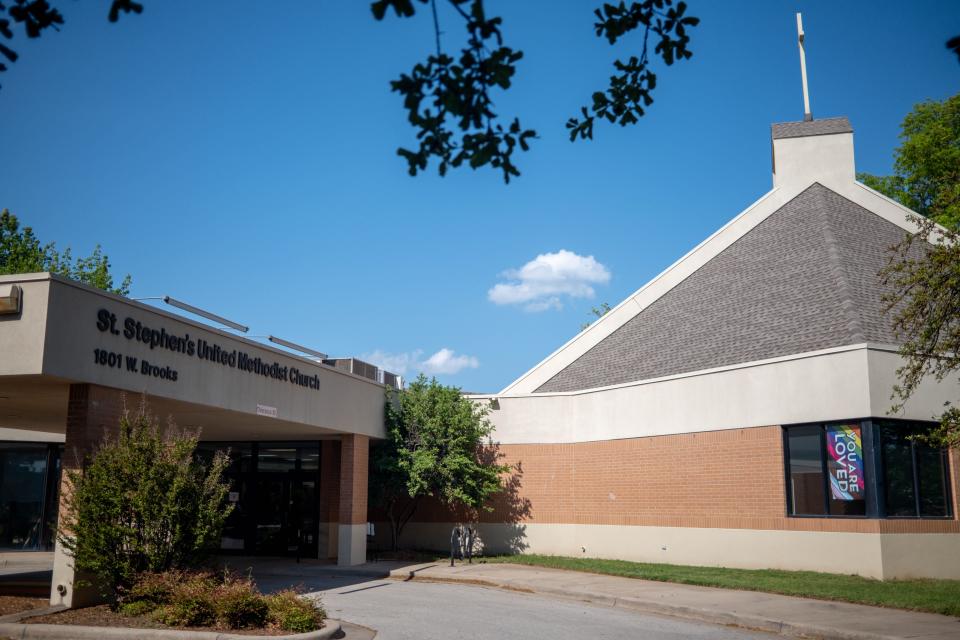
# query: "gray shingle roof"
x,y
803,279
822,127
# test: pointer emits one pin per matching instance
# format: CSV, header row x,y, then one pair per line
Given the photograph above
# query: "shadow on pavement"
x,y
275,574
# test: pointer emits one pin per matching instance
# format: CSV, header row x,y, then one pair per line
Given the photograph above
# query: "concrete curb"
x,y
17,631
32,613
733,619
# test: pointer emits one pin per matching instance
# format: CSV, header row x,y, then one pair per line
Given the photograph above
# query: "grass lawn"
x,y
935,596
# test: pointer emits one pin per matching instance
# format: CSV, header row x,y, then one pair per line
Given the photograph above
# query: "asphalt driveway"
x,y
424,611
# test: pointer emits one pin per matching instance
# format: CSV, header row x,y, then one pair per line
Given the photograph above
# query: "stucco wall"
x,y
833,384
824,158
58,334
873,555
928,400
22,336
822,386
930,555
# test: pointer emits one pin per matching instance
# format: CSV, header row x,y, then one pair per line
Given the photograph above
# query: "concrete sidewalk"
x,y
783,615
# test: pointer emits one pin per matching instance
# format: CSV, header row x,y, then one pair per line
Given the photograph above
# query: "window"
x,y
898,486
864,468
915,479
29,480
806,471
825,470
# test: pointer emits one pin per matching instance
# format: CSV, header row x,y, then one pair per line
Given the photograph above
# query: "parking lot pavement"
x,y
400,610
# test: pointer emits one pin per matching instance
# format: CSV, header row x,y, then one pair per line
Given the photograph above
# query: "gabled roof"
x,y
804,279
824,246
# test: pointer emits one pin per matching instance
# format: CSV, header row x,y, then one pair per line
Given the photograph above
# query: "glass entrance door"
x,y
273,515
286,515
274,488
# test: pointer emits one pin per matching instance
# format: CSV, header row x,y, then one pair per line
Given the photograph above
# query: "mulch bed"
x,y
103,616
15,604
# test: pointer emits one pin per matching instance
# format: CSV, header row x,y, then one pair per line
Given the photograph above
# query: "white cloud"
x,y
553,302
445,361
393,362
541,283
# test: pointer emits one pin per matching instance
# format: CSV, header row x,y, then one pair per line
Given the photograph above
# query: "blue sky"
x,y
241,156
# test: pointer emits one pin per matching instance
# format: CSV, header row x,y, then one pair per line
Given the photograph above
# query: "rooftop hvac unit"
x,y
391,379
344,364
367,370
364,369
354,366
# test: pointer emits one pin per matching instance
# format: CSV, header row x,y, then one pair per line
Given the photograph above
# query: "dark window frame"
x,y
875,476
869,491
50,496
946,476
253,473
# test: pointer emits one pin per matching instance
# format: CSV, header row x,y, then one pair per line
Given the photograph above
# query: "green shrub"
x,y
300,621
240,605
137,608
196,612
291,612
152,588
143,503
196,599
191,603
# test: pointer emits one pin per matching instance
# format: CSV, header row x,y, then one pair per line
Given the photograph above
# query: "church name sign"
x,y
200,348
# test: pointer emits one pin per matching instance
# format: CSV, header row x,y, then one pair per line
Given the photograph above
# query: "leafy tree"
x,y
438,445
927,163
628,95
457,94
596,312
388,480
142,503
924,274
924,269
457,91
448,99
954,45
21,252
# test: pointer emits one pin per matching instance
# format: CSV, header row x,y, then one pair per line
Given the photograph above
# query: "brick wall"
x,y
353,479
92,413
329,508
719,479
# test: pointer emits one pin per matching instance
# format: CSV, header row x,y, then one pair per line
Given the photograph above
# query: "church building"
x,y
734,411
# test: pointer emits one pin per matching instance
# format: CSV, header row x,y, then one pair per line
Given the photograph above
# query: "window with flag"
x,y
864,468
826,470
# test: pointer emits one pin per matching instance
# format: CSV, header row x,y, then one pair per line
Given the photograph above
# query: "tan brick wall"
x,y
354,456
732,479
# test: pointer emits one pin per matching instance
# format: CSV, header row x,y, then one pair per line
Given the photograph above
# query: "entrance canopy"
x,y
35,408
230,387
